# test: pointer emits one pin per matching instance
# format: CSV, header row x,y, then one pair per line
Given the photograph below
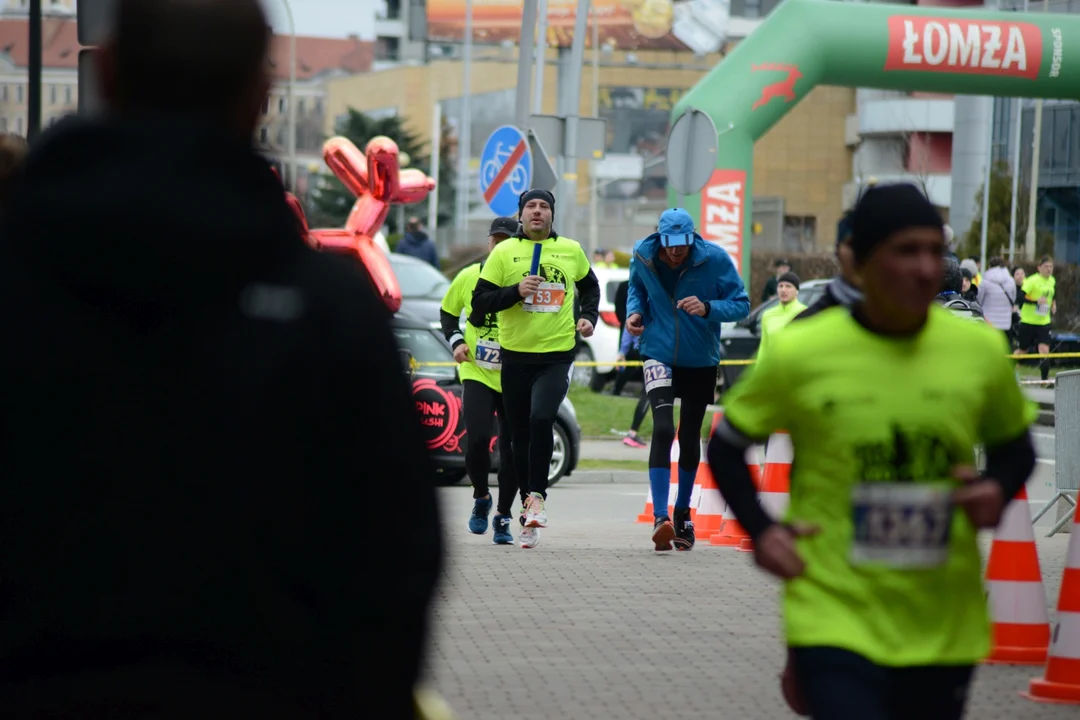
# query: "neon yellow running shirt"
x,y
484,365
877,426
1038,297
547,324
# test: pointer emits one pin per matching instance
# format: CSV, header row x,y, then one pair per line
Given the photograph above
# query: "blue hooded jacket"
x,y
672,336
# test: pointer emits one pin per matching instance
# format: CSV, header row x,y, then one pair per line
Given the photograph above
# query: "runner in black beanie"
x,y
883,210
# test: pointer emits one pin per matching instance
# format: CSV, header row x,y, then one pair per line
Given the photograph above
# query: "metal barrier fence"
x,y
1066,454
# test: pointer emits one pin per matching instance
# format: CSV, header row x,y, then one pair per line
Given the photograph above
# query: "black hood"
x,y
162,214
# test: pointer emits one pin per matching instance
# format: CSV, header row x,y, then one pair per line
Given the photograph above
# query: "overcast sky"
x,y
325,18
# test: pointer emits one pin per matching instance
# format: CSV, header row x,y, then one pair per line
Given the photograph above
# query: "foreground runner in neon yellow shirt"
x,y
884,607
479,355
530,280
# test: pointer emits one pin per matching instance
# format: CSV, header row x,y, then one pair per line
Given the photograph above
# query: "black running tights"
x,y
695,387
480,406
840,685
532,394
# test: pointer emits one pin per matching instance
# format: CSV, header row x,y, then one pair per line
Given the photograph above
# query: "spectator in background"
x,y
630,349
1018,277
968,291
779,315
997,296
951,243
780,267
417,244
600,258
972,266
195,399
12,157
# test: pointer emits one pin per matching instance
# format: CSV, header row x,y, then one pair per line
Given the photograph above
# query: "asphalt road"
x,y
593,624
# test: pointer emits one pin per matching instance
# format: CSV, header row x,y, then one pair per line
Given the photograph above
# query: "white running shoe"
x,y
529,537
535,512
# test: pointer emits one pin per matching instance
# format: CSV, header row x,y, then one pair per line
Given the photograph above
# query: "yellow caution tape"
x,y
726,363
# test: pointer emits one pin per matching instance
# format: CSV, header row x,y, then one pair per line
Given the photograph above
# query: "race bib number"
x,y
657,375
1042,307
548,298
488,354
901,525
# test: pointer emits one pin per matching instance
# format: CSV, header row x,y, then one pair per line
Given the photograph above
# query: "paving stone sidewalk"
x,y
592,624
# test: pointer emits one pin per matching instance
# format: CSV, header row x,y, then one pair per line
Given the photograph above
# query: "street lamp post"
x,y
290,105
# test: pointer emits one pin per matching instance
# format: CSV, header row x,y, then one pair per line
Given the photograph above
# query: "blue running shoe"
x,y
501,525
478,523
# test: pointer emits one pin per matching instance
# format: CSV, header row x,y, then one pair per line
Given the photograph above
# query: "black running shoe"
x,y
662,534
684,530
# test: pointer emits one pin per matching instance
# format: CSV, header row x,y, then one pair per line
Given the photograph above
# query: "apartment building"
x,y
318,62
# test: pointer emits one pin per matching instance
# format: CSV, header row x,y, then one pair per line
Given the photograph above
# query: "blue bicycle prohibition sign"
x,y
505,169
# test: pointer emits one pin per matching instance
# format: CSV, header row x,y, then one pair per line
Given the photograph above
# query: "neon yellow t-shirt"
x,y
894,416
775,318
485,366
547,324
1038,297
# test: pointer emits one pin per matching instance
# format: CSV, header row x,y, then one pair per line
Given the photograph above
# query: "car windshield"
x,y
418,280
425,347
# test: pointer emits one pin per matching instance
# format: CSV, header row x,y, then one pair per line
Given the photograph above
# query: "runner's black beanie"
x,y
885,209
537,195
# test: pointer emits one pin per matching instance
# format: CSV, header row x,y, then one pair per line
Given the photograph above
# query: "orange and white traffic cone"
x,y
775,480
708,512
1014,585
732,533
1060,682
646,515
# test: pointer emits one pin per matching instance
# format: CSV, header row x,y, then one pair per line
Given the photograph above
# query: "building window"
x,y
3,124
52,94
3,93
264,136
67,95
300,106
18,126
19,94
799,232
318,105
281,105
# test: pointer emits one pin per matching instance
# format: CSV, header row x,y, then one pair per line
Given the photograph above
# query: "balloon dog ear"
x,y
347,164
383,168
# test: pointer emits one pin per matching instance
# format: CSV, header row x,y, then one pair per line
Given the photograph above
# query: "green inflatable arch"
x,y
805,43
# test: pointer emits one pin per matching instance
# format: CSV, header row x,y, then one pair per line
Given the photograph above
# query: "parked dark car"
x,y
422,287
437,393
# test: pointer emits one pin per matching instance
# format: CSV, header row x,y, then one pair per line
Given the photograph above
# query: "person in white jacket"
x,y
997,295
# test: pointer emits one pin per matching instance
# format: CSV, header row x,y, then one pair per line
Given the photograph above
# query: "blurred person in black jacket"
x,y
844,288
201,417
